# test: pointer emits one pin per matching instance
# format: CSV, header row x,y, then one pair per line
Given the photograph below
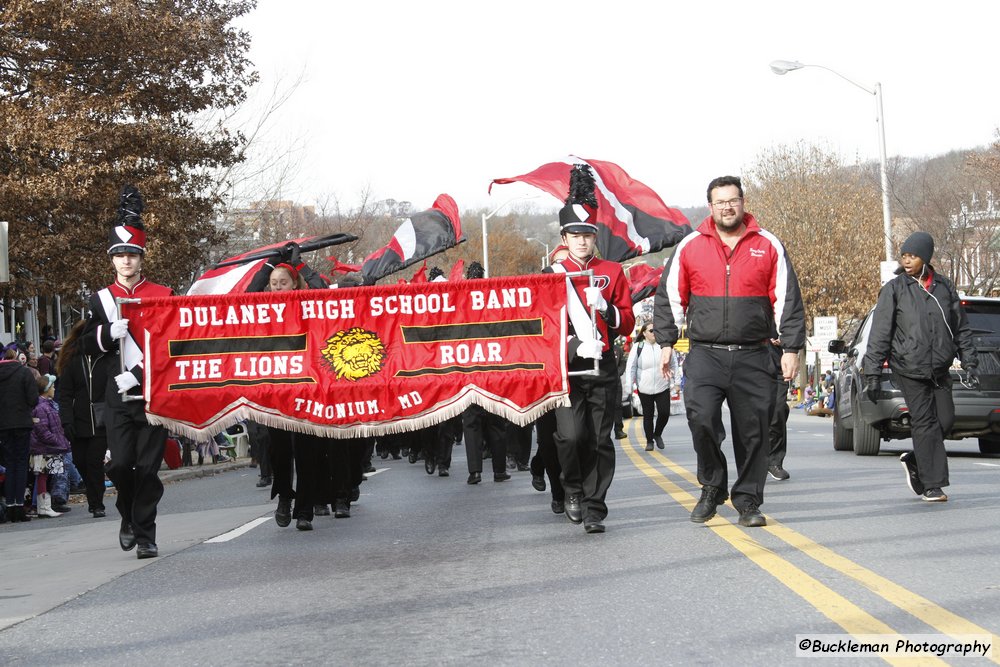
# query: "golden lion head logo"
x,y
354,354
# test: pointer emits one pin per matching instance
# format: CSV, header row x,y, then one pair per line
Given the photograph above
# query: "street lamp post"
x,y
487,216
545,257
782,67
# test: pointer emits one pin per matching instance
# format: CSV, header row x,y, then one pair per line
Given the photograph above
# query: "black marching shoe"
x,y
593,525
429,465
538,482
620,434
303,524
751,517
147,551
263,481
126,538
443,471
711,497
558,507
574,512
99,513
501,477
649,446
659,441
283,515
321,510
474,478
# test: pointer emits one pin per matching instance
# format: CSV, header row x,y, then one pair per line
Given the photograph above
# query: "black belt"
x,y
730,348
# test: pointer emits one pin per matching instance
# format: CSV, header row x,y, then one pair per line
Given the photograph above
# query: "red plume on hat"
x,y
127,231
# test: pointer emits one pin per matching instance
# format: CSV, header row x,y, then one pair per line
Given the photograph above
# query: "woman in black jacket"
x,y
920,327
80,396
18,396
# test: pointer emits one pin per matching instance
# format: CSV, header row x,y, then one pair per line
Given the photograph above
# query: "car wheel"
x,y
989,445
843,437
867,439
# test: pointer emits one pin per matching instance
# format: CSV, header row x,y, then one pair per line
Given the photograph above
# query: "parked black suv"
x,y
861,425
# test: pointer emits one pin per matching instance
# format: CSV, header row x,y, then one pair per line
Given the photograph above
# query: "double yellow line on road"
x,y
831,604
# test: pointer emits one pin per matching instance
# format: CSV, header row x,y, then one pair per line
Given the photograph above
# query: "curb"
x,y
205,470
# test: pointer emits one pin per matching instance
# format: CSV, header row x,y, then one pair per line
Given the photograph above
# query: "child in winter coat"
x,y
48,444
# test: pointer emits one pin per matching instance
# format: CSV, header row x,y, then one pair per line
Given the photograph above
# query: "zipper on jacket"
x,y
725,304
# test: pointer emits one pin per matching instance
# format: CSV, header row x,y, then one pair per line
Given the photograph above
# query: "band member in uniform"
x,y
136,446
311,467
583,430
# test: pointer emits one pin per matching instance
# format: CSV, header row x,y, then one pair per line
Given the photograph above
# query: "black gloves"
x,y
873,387
973,377
290,255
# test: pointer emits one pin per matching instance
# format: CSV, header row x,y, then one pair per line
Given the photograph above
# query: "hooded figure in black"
x,y
919,327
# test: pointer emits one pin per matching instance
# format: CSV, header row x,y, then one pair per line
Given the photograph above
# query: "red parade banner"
x,y
358,361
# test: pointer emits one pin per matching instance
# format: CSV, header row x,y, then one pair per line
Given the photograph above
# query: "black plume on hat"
x,y
475,270
919,244
581,205
127,231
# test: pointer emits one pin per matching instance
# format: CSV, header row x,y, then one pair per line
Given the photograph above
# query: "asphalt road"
x,y
430,570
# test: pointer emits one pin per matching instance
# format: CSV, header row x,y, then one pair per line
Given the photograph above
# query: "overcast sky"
x,y
416,98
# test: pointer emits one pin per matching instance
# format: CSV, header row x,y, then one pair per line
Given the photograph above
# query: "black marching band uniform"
x,y
136,446
583,430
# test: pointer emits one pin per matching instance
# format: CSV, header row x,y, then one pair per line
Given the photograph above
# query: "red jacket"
x,y
744,296
610,278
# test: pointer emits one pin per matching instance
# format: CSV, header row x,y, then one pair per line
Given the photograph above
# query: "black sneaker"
x,y
649,446
620,434
538,482
711,497
342,510
909,462
751,517
443,471
321,510
778,473
558,507
303,524
934,496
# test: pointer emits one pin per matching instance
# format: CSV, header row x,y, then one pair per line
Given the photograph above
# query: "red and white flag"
x,y
643,279
420,236
234,279
632,220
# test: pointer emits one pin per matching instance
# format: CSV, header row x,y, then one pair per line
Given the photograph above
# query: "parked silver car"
x,y
860,425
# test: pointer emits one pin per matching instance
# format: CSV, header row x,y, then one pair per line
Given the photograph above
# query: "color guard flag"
x,y
420,236
643,279
234,279
632,220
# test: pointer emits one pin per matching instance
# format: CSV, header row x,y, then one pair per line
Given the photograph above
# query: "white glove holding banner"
x,y
595,299
125,381
119,329
590,349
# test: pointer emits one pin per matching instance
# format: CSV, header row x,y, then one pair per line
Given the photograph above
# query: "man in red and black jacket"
x,y
583,430
733,285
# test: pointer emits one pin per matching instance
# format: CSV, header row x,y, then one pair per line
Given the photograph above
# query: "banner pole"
x,y
126,397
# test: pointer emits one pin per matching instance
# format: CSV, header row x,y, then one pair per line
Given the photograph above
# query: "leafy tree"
x,y
829,217
95,94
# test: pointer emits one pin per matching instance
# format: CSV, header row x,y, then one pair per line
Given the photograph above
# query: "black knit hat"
x,y
127,231
919,244
579,215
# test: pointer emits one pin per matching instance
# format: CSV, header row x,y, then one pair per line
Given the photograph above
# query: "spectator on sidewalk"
x,y
19,396
48,444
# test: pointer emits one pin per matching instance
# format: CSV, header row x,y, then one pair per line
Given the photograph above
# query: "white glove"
x,y
595,299
119,329
125,381
590,349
